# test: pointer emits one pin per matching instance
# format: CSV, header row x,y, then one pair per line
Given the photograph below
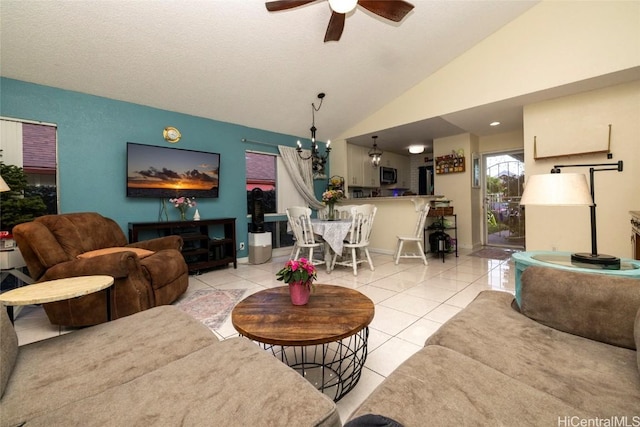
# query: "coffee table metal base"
x,y
333,368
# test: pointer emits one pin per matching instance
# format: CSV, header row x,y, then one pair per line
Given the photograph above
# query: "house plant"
x,y
299,275
330,198
182,204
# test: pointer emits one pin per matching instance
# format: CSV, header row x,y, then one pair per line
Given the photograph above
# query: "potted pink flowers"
x,y
182,204
299,275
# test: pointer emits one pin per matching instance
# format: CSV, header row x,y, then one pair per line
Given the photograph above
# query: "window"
x,y
267,172
261,173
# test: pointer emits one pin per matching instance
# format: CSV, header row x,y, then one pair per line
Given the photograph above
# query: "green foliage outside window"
x,y
19,204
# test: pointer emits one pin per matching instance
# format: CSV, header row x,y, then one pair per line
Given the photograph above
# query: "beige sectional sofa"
x,y
567,357
157,367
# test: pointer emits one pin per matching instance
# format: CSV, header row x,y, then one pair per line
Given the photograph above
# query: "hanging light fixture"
x,y
317,160
375,153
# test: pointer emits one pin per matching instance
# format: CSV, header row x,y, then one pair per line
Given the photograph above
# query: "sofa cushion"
x,y
636,334
61,370
8,348
440,387
596,306
232,383
583,373
141,253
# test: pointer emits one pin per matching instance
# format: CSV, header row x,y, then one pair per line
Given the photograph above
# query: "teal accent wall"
x,y
92,137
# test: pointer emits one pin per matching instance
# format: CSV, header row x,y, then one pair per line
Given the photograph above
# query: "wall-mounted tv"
x,y
165,172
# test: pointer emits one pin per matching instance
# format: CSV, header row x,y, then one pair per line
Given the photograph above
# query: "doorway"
x,y
504,184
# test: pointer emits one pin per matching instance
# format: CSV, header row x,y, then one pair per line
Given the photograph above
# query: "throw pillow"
x,y
142,253
8,349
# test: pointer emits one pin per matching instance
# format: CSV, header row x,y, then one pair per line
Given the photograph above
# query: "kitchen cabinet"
x,y
371,176
356,165
361,173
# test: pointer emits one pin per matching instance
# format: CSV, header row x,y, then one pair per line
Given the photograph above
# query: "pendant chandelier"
x,y
375,153
317,160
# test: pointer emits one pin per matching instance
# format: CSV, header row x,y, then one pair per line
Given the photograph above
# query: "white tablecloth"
x,y
332,232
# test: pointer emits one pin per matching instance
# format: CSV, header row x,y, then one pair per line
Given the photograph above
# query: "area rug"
x,y
211,306
494,253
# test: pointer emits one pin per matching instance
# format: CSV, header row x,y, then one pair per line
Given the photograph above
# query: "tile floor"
x,y
411,302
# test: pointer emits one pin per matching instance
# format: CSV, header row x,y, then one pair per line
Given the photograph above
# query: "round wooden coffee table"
x,y
325,340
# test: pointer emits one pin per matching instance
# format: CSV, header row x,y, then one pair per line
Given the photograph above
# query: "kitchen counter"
x,y
392,219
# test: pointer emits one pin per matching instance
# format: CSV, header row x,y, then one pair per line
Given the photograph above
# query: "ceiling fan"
x,y
394,10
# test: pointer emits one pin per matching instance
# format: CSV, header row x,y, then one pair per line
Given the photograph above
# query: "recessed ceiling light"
x,y
494,123
416,149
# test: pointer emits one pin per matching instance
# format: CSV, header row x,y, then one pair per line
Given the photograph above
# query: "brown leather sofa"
x,y
147,274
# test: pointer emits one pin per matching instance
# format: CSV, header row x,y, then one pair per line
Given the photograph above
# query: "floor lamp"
x,y
570,189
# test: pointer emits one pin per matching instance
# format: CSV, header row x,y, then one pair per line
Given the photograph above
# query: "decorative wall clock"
x,y
171,134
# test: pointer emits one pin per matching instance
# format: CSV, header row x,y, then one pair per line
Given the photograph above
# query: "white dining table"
x,y
333,234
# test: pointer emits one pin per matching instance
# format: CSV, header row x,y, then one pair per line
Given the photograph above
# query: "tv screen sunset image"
x,y
169,172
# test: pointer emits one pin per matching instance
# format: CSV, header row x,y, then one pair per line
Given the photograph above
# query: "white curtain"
x,y
301,175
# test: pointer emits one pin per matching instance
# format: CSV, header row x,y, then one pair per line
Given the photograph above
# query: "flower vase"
x,y
183,215
299,292
332,213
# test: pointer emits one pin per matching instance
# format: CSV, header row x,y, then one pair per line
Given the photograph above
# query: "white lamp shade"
x,y
416,149
557,189
3,186
343,6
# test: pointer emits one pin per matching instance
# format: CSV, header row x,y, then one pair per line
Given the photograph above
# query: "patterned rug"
x,y
211,306
493,253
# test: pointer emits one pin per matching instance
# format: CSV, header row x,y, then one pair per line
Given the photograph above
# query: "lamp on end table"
x,y
570,189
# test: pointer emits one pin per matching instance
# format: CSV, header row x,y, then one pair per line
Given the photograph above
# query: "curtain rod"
x,y
245,140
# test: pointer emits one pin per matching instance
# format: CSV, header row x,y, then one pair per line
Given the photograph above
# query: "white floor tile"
x,y
390,355
410,304
418,332
391,321
442,313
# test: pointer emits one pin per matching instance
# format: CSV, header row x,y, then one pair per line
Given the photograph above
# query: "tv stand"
x,y
208,243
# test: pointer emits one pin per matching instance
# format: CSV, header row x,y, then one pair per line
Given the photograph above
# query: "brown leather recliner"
x,y
51,245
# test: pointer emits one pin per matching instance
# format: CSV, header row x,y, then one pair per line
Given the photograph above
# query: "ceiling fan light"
x,y
343,6
416,149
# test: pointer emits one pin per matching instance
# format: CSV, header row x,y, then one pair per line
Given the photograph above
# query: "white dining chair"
x,y
416,237
343,211
358,238
299,218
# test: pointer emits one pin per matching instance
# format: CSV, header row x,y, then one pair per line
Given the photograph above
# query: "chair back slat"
x,y
300,222
422,219
361,224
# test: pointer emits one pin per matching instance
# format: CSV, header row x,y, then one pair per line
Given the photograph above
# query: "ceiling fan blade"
x,y
274,6
335,27
393,10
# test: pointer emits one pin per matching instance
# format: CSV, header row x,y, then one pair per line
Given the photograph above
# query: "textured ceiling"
x,y
233,61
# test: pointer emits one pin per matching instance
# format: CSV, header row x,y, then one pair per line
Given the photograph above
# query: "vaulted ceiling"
x,y
233,61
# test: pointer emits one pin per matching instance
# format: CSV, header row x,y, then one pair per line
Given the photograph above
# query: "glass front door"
x,y
504,179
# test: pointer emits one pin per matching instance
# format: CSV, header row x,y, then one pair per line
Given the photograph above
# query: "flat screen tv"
x,y
165,172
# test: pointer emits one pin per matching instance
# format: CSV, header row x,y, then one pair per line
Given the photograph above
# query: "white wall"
x,y
617,193
507,141
457,186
